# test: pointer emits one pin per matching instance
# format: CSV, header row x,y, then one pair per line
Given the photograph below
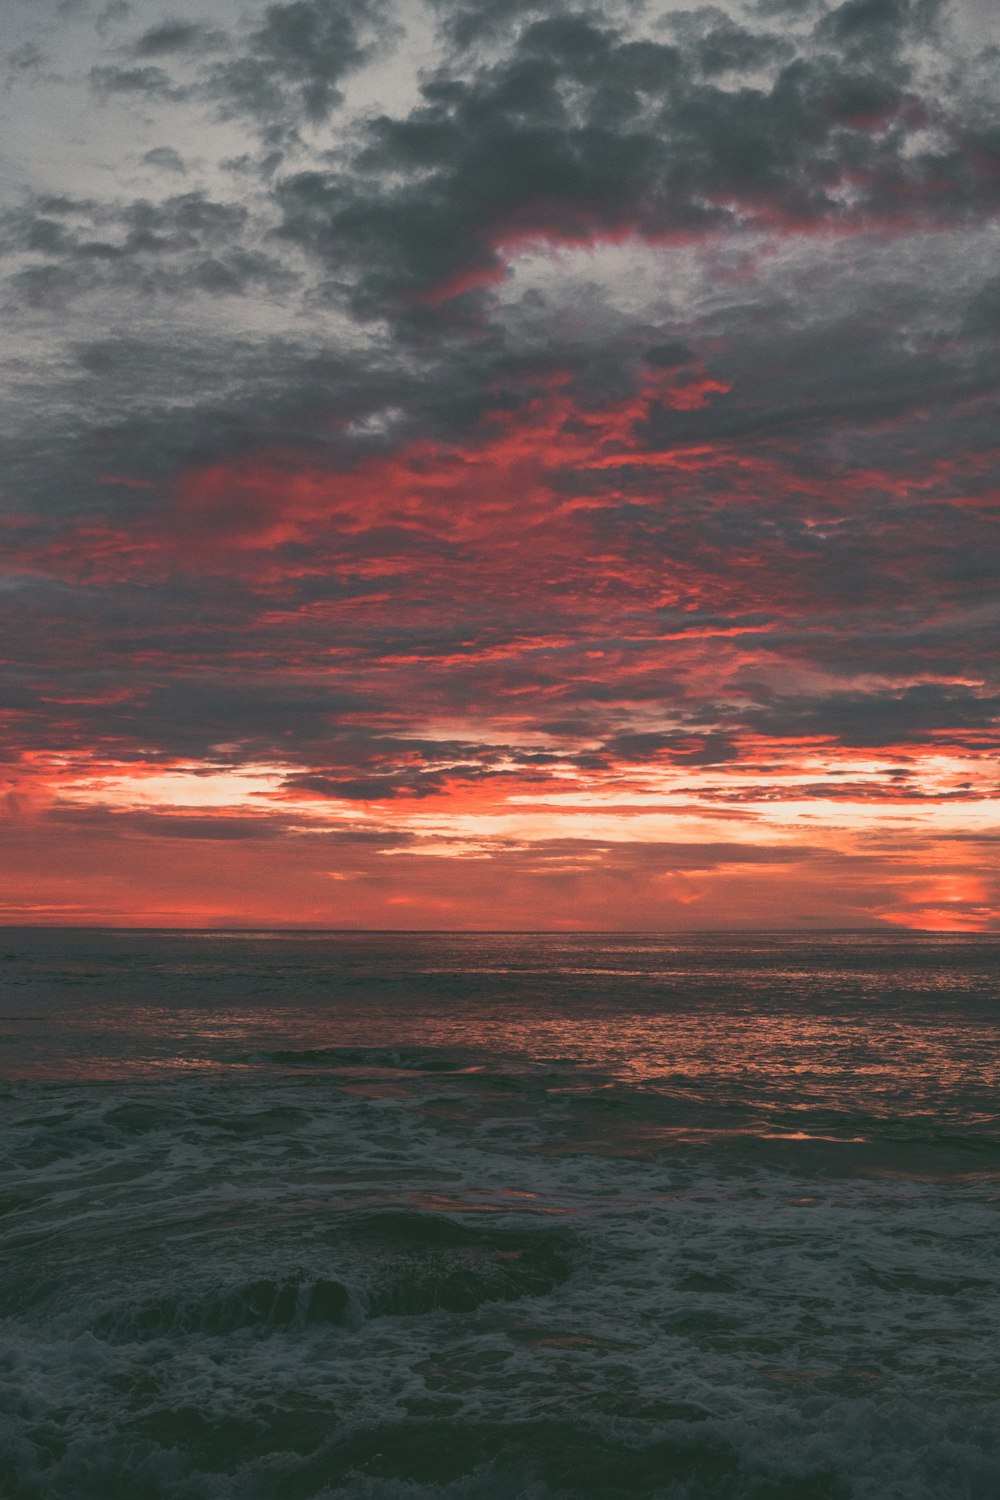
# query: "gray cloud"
x,y
577,131
166,158
183,243
177,36
297,59
149,82
874,719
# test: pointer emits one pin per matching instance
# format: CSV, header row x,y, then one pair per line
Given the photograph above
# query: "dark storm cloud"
x,y
481,154
878,26
982,319
149,82
574,131
733,49
152,825
182,222
669,355
380,788
239,393
874,400
578,132
287,70
293,65
464,25
177,36
231,273
710,749
875,719
184,243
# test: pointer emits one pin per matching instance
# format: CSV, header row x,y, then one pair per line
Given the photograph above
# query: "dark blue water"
x,y
291,1216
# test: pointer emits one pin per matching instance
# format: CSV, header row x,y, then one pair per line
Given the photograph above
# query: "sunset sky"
x,y
500,464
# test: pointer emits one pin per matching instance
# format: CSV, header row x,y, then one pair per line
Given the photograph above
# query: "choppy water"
x,y
297,1216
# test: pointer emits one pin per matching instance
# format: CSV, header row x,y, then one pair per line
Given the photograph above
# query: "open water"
x,y
295,1216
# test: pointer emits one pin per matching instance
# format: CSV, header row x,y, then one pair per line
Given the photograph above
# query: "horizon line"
x,y
249,928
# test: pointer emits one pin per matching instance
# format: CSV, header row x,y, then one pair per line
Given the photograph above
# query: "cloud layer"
x,y
501,466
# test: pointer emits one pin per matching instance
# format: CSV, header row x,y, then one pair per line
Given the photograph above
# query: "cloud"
x,y
176,37
295,61
913,715
148,82
525,450
181,244
166,158
578,134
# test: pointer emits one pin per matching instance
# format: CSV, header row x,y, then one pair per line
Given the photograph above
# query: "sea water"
x,y
294,1215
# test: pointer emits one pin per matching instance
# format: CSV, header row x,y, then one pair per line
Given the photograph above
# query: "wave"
x,y
408,1059
399,1264
261,1304
430,1261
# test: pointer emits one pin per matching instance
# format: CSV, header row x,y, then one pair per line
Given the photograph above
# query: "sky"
x,y
498,464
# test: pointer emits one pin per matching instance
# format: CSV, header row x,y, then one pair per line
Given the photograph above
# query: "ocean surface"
x,y
290,1216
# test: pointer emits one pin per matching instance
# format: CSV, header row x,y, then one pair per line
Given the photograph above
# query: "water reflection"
x,y
627,1039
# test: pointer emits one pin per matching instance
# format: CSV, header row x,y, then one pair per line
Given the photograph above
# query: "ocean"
x,y
295,1216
